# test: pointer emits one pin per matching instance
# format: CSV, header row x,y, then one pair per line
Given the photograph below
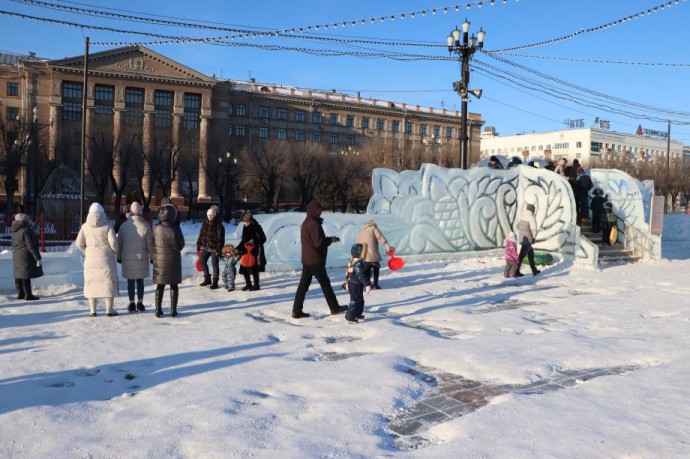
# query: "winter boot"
x,y
256,282
28,296
92,307
214,284
109,309
20,289
248,281
132,307
140,307
159,303
174,294
207,280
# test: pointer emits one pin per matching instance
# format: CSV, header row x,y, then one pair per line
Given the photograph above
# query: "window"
x,y
282,133
299,134
299,116
282,114
263,133
71,111
316,136
104,96
334,119
350,121
449,132
12,88
241,110
350,139
396,126
162,114
422,130
264,113
380,124
578,144
365,122
334,139
437,131
229,109
316,118
71,96
239,130
230,131
12,113
192,111
408,127
71,90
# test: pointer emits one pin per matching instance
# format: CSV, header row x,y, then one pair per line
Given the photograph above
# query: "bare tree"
x,y
124,164
267,167
15,143
163,162
100,162
307,161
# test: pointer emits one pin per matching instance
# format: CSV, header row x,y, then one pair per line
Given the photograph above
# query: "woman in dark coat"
x,y
26,257
168,242
210,243
252,233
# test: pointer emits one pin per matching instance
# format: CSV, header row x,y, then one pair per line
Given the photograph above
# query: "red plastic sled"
x,y
395,263
198,262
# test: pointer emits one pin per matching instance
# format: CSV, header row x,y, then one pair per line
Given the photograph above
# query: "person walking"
x,y
168,242
371,235
527,233
134,250
97,240
26,256
314,252
252,233
210,243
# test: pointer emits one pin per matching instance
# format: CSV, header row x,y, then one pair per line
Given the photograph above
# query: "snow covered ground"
x,y
571,363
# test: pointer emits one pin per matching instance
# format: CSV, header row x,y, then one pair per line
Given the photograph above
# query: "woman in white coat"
x,y
134,251
97,240
371,235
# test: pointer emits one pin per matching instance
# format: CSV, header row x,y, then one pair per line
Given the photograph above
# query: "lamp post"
x,y
465,49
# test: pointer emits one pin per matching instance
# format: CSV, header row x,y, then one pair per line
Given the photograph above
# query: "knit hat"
x,y
21,217
212,212
96,208
135,208
246,217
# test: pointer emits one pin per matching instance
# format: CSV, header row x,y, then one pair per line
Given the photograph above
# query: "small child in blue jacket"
x,y
356,282
230,258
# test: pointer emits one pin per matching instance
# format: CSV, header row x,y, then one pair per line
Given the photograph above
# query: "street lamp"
x,y
465,49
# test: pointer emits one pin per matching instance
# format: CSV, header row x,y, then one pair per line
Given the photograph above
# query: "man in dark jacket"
x,y
27,258
210,243
314,251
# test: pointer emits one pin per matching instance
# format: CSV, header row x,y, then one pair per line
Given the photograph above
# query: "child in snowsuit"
x,y
511,257
608,221
230,258
356,282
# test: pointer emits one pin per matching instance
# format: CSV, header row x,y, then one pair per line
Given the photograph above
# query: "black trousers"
x,y
214,263
526,249
309,272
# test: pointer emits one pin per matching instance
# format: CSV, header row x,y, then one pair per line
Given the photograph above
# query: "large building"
x,y
590,146
137,96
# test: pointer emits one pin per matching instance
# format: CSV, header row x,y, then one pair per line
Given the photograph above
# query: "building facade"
x,y
137,99
590,146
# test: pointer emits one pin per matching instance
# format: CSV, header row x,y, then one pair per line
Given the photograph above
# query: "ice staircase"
x,y
608,254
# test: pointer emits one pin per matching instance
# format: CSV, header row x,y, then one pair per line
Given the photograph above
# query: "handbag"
x,y
248,260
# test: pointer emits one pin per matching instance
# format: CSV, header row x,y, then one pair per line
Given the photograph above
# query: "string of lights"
x,y
664,6
246,34
596,61
589,91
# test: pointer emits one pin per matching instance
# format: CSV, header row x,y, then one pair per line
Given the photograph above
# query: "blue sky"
x,y
646,86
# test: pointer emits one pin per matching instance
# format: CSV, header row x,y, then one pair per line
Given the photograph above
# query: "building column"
x,y
118,135
177,150
204,132
54,132
147,144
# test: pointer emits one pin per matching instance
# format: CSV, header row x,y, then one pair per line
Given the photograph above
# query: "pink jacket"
x,y
511,251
